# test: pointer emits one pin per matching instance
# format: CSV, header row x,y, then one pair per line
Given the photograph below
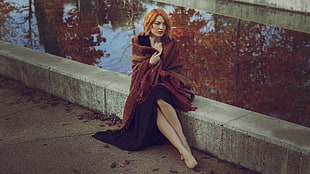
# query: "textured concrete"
x,y
296,5
94,88
255,141
267,16
40,133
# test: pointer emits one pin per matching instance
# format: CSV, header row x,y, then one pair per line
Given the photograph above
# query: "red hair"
x,y
150,18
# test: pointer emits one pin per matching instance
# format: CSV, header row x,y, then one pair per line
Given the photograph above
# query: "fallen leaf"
x,y
122,164
113,165
173,171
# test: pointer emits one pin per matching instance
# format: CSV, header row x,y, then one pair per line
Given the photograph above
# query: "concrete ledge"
x,y
302,6
293,21
296,5
100,90
255,141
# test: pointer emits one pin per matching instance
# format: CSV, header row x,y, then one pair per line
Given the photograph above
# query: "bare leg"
x,y
171,116
167,130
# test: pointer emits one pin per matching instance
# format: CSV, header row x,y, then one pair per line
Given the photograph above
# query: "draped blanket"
x,y
166,73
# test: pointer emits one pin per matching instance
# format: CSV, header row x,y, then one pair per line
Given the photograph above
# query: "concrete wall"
x,y
279,18
95,88
292,5
255,141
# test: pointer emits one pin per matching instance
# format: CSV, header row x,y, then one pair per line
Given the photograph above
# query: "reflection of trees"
x,y
49,16
253,66
74,38
30,12
119,13
20,31
77,35
74,35
5,9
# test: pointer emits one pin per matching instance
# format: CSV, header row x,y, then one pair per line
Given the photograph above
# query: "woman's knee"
x,y
163,104
160,116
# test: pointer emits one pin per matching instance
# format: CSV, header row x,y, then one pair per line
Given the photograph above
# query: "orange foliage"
x,y
79,36
236,63
5,9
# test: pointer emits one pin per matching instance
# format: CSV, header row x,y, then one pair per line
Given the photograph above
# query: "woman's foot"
x,y
189,159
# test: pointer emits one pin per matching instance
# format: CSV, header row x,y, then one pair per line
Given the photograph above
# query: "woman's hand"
x,y
156,56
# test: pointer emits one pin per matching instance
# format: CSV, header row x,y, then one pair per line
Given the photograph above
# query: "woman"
x,y
156,89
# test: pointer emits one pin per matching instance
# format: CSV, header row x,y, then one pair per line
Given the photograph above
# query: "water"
x,y
258,67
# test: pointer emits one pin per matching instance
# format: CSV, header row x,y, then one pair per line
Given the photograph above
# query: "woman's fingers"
x,y
155,58
156,54
160,51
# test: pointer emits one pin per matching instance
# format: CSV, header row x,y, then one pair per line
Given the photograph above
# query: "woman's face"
x,y
159,26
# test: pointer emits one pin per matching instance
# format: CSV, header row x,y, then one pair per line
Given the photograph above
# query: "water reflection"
x,y
254,66
250,65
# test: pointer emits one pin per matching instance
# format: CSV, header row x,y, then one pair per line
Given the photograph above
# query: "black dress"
x,y
142,131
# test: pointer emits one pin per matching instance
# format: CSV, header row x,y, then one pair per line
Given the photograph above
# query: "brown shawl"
x,y
146,76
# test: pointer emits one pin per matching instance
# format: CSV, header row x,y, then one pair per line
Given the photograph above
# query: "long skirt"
x,y
142,131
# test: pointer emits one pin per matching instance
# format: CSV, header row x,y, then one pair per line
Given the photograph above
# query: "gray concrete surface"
x,y
262,15
40,133
295,5
255,141
292,5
